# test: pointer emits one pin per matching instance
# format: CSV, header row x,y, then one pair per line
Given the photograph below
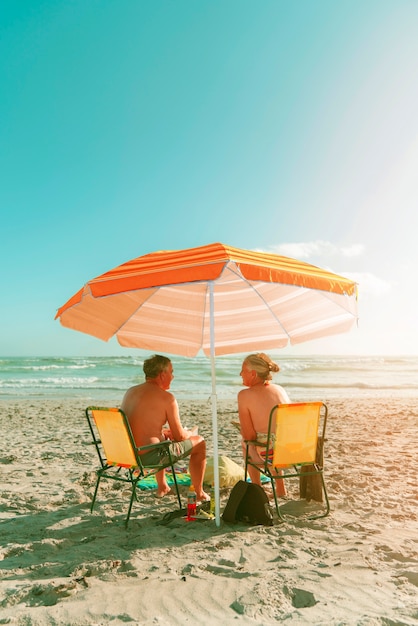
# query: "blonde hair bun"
x,y
262,364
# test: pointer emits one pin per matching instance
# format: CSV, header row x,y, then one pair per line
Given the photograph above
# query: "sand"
x,y
62,565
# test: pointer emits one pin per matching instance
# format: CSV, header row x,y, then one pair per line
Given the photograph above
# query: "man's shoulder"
x,y
169,397
155,392
133,391
134,388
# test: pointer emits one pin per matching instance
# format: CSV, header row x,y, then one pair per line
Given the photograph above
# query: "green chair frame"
x,y
120,459
296,435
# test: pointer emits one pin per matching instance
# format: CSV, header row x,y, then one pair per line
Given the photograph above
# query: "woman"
x,y
255,404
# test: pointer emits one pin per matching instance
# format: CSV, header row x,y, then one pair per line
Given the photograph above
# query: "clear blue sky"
x,y
131,126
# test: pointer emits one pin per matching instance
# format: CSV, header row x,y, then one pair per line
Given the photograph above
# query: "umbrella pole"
x,y
214,405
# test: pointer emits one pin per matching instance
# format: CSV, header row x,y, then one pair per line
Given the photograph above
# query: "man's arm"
x,y
178,433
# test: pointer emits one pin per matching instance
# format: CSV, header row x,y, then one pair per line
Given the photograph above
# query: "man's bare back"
x,y
149,407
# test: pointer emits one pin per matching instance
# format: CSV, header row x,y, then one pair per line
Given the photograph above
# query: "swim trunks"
x,y
178,450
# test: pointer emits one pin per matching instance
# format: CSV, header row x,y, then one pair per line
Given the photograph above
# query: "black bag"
x,y
248,503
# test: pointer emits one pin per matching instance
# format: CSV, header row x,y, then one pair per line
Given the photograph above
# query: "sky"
x,y
131,126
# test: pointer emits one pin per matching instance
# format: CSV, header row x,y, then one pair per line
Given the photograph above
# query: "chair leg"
x,y
276,502
246,464
134,483
176,486
313,517
327,507
133,496
95,492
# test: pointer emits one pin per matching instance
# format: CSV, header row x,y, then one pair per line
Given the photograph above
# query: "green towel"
x,y
183,478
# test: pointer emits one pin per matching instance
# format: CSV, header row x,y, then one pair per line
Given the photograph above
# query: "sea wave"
x,y
42,368
352,385
320,375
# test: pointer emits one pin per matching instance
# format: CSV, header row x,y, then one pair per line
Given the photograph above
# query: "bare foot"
x,y
270,494
164,492
202,497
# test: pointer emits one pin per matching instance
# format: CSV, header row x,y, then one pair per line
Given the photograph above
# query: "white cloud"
x,y
308,249
369,284
356,249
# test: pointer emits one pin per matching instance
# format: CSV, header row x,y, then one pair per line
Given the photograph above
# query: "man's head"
x,y
155,365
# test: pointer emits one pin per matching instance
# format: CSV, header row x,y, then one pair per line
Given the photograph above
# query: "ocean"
x,y
104,380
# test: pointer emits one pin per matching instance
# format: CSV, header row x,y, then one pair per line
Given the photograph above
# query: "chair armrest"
x,y
259,444
152,446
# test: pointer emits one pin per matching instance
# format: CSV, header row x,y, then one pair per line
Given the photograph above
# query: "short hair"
x,y
154,365
262,365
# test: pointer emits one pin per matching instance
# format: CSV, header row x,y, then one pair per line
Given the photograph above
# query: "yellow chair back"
x,y
115,437
296,433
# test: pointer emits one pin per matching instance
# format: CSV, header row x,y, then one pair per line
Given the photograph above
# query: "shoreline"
x,y
300,395
62,565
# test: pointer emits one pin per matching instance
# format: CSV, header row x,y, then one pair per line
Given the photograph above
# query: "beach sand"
x,y
62,565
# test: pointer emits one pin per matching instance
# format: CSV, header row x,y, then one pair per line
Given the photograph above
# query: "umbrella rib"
x,y
239,274
155,289
326,294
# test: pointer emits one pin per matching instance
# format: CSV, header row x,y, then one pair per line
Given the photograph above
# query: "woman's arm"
x,y
247,428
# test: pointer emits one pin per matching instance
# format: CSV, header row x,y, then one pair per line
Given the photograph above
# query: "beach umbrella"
x,y
215,298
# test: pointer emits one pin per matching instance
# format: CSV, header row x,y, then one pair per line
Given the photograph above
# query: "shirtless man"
x,y
255,404
149,407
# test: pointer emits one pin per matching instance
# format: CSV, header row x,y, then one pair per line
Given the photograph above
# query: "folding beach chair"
x,y
119,457
293,447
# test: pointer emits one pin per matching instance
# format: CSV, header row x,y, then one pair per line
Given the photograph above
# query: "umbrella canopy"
x,y
214,298
161,302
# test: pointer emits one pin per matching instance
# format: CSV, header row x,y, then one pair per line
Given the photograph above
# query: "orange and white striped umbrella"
x,y
214,298
168,301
